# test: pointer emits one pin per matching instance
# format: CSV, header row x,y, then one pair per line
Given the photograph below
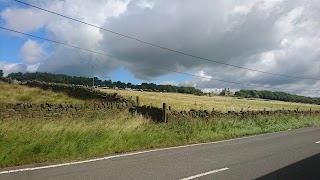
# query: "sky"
x,y
277,36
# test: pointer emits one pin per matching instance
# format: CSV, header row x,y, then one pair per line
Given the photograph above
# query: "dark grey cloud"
x,y
78,63
204,29
272,36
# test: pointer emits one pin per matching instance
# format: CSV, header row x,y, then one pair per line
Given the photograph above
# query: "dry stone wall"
x,y
154,113
47,111
28,110
4,79
204,114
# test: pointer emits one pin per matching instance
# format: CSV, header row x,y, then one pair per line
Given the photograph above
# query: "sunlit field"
x,y
186,102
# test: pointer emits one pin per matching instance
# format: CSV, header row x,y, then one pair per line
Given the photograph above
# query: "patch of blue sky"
x,y
9,3
4,4
123,75
11,44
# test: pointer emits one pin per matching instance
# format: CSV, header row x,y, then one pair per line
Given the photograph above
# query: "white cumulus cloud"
x,y
32,52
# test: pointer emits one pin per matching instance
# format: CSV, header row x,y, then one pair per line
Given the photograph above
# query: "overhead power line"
x,y
166,48
150,67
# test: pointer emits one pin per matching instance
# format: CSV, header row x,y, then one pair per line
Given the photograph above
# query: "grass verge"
x,y
25,141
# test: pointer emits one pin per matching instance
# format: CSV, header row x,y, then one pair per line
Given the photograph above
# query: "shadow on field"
x,y
308,168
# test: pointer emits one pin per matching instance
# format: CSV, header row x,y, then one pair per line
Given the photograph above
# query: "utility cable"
x,y
151,67
166,48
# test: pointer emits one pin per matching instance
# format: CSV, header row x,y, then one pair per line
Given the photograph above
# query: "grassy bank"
x,y
14,93
186,102
25,141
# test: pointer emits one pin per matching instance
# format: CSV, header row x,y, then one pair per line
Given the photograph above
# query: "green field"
x,y
26,141
220,103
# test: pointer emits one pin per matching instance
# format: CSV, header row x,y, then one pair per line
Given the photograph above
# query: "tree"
x,y
86,81
281,96
1,73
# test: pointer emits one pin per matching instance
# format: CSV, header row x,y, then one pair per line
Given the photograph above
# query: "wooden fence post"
x,y
138,103
164,116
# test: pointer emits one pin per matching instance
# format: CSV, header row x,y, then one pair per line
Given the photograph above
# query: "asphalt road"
x,y
293,154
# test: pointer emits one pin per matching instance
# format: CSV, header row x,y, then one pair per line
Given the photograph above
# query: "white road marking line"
x,y
318,142
130,154
204,174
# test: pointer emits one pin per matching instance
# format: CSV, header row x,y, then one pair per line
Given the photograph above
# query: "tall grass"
x,y
25,141
14,93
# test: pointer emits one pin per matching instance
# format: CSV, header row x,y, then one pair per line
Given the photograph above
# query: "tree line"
x,y
85,81
281,96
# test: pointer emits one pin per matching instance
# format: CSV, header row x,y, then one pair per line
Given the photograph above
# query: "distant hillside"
x,y
281,96
61,78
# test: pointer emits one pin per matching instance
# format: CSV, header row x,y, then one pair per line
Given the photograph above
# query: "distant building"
x,y
226,92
